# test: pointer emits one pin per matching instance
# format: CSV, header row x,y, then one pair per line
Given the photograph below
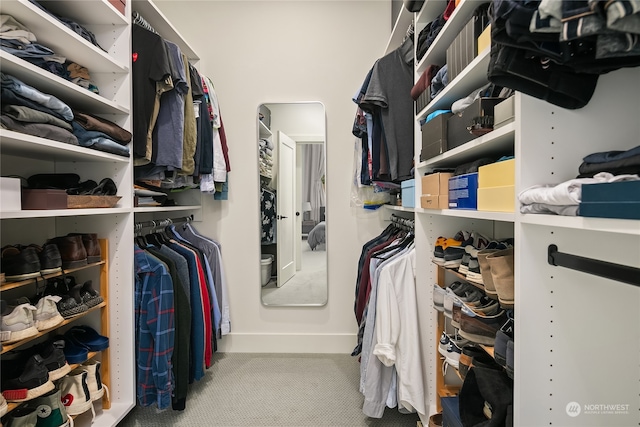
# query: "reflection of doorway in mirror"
x,y
303,123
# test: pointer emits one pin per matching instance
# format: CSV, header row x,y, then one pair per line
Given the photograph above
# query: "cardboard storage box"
x,y
408,193
457,125
484,39
497,174
434,136
11,198
119,4
497,199
504,112
44,199
436,184
463,191
440,201
611,200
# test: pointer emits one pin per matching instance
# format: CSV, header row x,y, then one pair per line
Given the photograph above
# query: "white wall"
x,y
284,51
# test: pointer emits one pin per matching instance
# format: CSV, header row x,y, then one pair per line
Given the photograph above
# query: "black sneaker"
x,y
88,294
71,303
20,262
52,353
50,259
23,381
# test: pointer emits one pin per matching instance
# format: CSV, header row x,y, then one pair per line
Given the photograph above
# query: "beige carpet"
x,y
254,390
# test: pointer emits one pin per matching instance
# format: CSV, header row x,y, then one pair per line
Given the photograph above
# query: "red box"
x,y
119,4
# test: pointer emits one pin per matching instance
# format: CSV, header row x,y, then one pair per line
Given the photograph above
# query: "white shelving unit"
x,y
26,155
563,316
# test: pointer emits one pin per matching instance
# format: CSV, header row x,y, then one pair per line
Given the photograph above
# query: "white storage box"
x,y
10,196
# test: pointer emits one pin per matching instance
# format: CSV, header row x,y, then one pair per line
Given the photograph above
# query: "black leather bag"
x,y
413,5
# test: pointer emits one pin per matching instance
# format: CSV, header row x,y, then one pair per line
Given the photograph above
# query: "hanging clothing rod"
x,y
405,223
162,222
621,273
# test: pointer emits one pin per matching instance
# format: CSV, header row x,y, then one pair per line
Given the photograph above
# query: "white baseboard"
x,y
288,343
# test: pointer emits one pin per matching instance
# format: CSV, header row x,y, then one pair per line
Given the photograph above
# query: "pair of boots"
x,y
496,267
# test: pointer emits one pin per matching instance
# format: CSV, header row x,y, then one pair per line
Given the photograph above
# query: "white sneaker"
x,y
94,382
3,406
47,314
17,322
74,392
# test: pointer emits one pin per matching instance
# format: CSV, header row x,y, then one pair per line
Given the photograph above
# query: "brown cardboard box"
x,y
436,184
119,4
435,202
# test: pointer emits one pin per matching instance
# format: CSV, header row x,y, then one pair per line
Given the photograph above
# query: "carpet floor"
x,y
256,390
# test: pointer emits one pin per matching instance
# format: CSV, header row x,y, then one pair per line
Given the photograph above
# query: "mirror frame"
x,y
299,139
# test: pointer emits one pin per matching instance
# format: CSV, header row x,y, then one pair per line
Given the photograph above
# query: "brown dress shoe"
x,y
72,251
91,245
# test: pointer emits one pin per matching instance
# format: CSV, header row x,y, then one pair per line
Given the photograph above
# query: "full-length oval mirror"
x,y
291,163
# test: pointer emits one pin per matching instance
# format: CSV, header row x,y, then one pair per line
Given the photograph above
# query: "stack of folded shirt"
x,y
27,110
266,157
564,198
614,162
19,41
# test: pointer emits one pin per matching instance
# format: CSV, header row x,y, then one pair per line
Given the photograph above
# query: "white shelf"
x,y
62,40
430,11
23,145
473,77
70,93
399,30
265,132
161,24
493,144
437,53
474,214
607,225
151,209
62,212
400,208
87,12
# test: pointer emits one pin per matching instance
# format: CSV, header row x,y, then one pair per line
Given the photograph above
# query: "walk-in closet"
x,y
314,213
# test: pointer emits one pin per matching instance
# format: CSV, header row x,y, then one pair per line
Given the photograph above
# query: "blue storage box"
x,y
409,193
450,412
463,191
611,200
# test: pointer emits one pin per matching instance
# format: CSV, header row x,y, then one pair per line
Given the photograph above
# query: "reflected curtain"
x,y
313,175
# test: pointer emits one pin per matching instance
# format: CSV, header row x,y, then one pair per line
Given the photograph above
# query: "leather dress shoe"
x,y
91,245
72,251
50,258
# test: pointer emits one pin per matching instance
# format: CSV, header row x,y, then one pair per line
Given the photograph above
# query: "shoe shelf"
x,y
74,95
12,346
437,52
488,349
62,40
400,208
460,276
12,285
29,146
448,391
498,142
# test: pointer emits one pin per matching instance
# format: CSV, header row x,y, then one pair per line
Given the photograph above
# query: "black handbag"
x,y
413,5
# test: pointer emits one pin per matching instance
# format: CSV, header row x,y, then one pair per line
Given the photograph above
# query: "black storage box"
x,y
464,47
423,100
434,137
458,126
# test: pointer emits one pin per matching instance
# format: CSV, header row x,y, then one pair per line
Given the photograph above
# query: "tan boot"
x,y
485,272
501,264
